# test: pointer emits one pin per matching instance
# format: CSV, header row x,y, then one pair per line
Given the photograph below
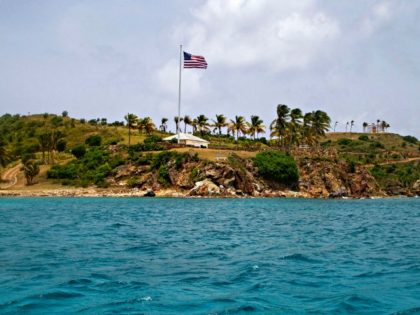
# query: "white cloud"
x,y
274,34
379,14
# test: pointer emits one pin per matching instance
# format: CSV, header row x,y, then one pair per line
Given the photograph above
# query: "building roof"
x,y
185,136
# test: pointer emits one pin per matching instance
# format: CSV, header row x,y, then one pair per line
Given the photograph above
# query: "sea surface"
x,y
209,256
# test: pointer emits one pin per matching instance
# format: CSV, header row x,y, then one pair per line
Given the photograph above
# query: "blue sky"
x,y
358,60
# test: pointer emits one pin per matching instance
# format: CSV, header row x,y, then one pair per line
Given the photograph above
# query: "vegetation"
x,y
30,169
291,127
91,168
410,139
401,175
88,158
277,166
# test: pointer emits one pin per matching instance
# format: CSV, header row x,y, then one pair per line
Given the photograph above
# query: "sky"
x,y
357,60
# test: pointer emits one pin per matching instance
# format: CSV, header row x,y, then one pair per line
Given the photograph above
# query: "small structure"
x,y
189,140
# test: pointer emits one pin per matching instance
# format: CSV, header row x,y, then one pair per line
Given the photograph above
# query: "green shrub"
x,y
134,182
94,141
364,138
410,139
93,167
376,145
344,141
61,145
163,175
277,166
79,151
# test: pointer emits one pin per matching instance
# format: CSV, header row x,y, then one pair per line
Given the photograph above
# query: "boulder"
x,y
205,188
149,193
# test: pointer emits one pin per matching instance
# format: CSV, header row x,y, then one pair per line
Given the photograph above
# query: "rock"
x,y
205,188
149,193
342,192
416,187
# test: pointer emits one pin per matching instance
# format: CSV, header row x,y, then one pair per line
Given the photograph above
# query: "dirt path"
x,y
396,162
10,176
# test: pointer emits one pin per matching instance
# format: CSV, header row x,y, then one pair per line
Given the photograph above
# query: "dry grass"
x,y
212,154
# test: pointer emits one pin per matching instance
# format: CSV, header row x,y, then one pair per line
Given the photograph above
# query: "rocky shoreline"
x,y
318,178
143,194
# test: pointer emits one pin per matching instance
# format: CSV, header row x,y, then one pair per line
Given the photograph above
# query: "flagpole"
x,y
179,91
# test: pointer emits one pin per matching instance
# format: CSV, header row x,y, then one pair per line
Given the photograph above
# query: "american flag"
x,y
192,61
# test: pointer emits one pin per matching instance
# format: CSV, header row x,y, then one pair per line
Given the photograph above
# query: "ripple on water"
x,y
179,256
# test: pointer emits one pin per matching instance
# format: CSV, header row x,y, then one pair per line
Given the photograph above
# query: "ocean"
x,y
209,256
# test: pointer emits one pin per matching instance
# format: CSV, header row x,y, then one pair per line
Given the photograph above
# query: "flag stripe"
x,y
193,61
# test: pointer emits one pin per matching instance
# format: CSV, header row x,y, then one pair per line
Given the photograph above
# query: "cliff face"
x,y
325,178
318,178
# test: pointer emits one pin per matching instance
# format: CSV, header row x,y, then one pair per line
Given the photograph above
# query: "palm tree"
x,y
320,123
256,126
202,124
55,136
365,124
163,125
131,120
295,125
187,121
347,125
177,121
44,143
279,125
147,125
31,169
335,125
194,125
238,125
308,133
384,125
219,123
351,125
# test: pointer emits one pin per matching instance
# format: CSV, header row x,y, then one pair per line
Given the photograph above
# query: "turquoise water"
x,y
204,256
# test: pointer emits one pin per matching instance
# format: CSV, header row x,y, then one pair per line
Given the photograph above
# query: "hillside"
x,y
341,164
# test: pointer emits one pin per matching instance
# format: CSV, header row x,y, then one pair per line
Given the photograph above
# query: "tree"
x,y
335,125
307,132
279,125
347,125
177,121
351,125
202,124
65,113
163,124
31,169
194,125
79,151
320,123
238,125
219,123
295,125
365,124
4,155
384,125
131,120
147,125
256,126
56,135
44,140
187,121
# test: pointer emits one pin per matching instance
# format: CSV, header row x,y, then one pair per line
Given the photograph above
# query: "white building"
x,y
189,140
